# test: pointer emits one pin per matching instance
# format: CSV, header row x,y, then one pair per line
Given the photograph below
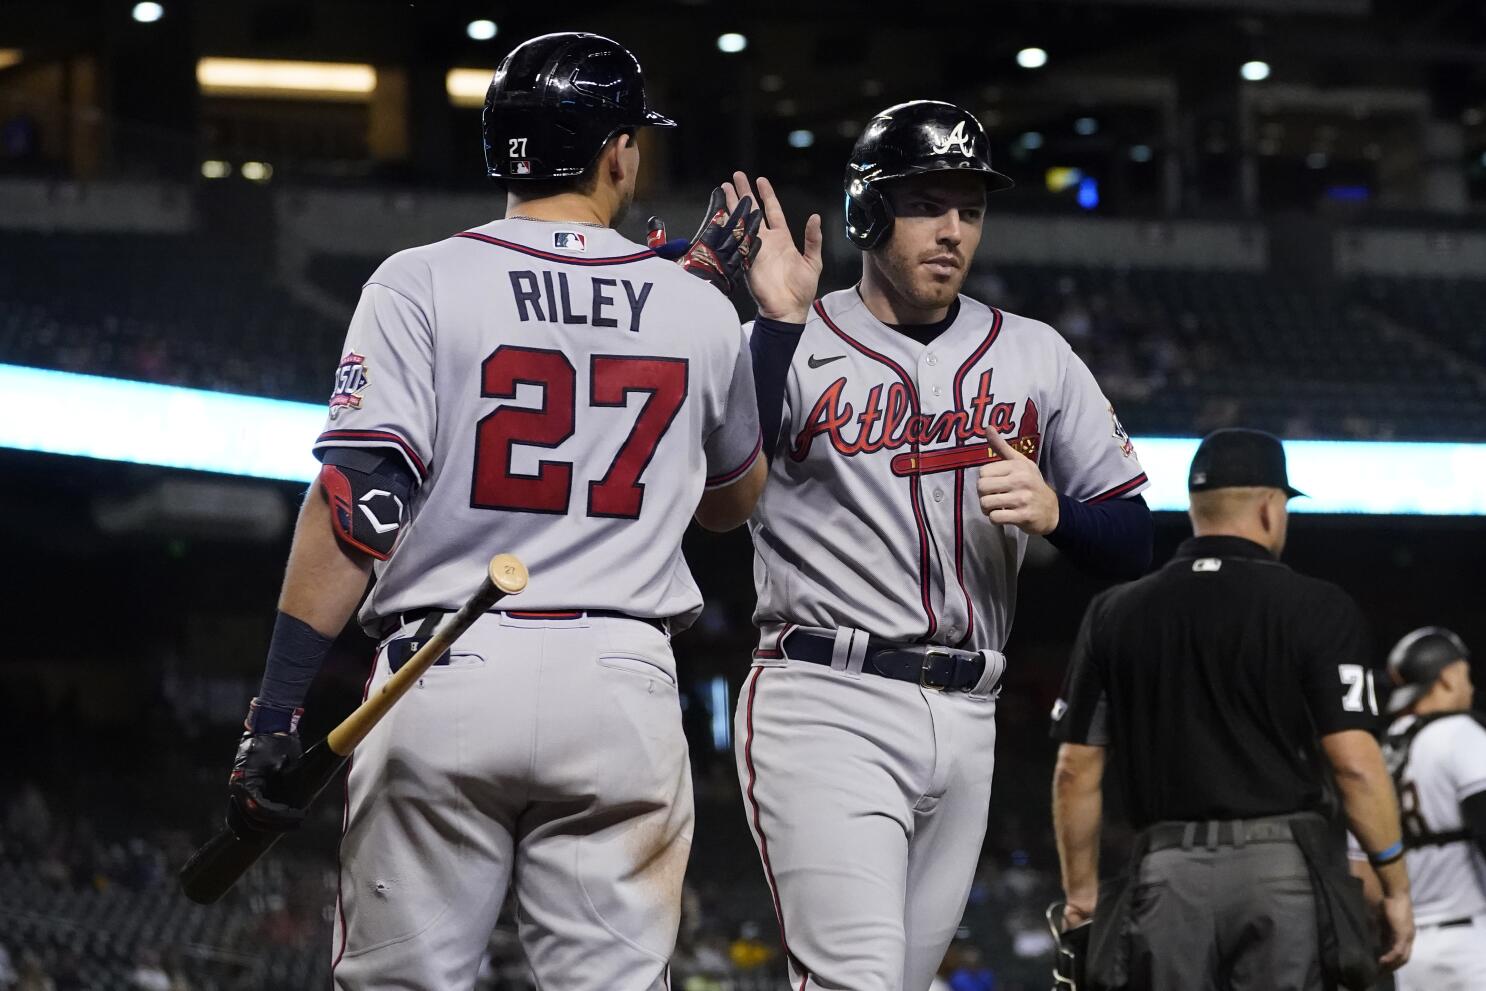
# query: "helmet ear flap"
x,y
869,215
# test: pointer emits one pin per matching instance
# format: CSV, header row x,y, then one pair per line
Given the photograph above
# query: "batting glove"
x,y
262,758
723,248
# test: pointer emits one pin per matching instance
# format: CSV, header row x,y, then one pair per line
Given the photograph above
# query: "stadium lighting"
x,y
1031,141
1086,126
257,171
143,423
466,87
214,168
9,57
147,13
1141,153
1031,58
1317,160
1254,71
349,81
731,43
481,30
801,139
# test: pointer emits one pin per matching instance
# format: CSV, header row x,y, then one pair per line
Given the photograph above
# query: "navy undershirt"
x,y
1112,539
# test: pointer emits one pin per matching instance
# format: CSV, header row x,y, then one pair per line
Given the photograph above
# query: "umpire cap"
x,y
1236,456
904,140
1417,660
556,100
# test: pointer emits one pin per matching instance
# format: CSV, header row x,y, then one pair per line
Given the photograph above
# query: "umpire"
x,y
1220,682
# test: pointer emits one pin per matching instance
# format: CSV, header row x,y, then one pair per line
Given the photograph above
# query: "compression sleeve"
x,y
1111,539
773,345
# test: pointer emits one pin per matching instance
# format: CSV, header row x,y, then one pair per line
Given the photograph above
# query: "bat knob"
x,y
507,573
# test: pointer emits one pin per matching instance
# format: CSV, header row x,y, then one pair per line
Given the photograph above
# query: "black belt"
x,y
1214,833
930,665
1448,923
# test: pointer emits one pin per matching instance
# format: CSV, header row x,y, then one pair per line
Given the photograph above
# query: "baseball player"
x,y
1436,750
916,439
543,386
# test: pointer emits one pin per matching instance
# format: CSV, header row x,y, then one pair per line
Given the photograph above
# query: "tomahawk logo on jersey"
x,y
883,432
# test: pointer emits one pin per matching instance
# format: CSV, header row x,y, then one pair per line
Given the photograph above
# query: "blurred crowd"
x,y
89,906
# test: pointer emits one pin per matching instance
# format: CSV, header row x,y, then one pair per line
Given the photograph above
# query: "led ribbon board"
x,y
139,422
122,420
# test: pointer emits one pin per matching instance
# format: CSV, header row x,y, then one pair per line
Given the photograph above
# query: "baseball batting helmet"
x,y
904,140
555,101
1417,660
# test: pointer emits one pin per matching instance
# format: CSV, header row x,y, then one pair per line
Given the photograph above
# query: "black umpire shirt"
x,y
1213,678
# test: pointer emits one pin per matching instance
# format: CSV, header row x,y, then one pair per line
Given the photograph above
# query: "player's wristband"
x,y
268,719
295,654
1385,857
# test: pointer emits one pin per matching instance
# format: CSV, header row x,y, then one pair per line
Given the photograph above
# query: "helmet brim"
x,y
995,181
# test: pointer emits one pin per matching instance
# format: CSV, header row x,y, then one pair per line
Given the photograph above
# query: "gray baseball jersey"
x,y
565,395
867,797
871,517
562,394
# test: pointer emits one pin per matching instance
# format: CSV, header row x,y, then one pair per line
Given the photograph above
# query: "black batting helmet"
x,y
554,102
910,138
1417,660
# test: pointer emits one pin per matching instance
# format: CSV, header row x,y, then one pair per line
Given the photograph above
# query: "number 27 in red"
x,y
612,378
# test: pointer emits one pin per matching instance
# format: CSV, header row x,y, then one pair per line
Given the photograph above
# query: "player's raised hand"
x,y
723,246
783,279
1013,492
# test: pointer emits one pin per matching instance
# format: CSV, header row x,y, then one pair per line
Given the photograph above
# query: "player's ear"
x,y
628,151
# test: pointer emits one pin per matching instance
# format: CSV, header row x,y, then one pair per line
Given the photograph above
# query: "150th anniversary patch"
x,y
350,382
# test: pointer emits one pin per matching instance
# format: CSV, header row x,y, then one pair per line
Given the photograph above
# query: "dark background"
x,y
135,634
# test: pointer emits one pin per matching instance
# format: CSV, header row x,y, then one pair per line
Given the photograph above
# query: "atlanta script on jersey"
x,y
871,518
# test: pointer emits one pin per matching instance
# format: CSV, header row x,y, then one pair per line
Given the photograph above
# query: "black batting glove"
x,y
723,248
262,758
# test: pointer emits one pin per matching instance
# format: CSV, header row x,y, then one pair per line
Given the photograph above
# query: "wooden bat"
x,y
226,857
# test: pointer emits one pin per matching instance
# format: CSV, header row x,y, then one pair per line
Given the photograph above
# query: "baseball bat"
x,y
217,865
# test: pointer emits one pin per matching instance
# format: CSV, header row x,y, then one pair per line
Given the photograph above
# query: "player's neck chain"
x,y
575,223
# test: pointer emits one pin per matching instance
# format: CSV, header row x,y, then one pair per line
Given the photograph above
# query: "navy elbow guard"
x,y
368,491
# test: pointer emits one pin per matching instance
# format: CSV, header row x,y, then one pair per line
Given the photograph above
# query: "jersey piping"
x,y
925,575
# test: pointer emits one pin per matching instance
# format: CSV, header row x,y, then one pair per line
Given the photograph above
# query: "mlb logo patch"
x,y
522,167
350,382
569,241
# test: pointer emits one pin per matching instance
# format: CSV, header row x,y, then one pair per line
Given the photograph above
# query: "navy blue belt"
x,y
944,669
1449,923
427,621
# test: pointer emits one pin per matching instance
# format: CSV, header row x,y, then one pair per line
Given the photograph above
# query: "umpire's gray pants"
x,y
1229,919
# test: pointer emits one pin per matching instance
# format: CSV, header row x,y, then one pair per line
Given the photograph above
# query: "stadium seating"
x,y
182,309
1177,351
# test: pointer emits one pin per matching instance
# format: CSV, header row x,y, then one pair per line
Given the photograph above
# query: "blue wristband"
x,y
1385,857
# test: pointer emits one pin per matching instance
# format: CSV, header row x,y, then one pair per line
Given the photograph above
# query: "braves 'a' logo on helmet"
x,y
956,138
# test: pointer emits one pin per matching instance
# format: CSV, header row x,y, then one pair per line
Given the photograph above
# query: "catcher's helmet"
x,y
910,138
1417,660
554,102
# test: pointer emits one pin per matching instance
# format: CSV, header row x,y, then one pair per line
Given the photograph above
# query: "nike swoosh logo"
x,y
815,362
